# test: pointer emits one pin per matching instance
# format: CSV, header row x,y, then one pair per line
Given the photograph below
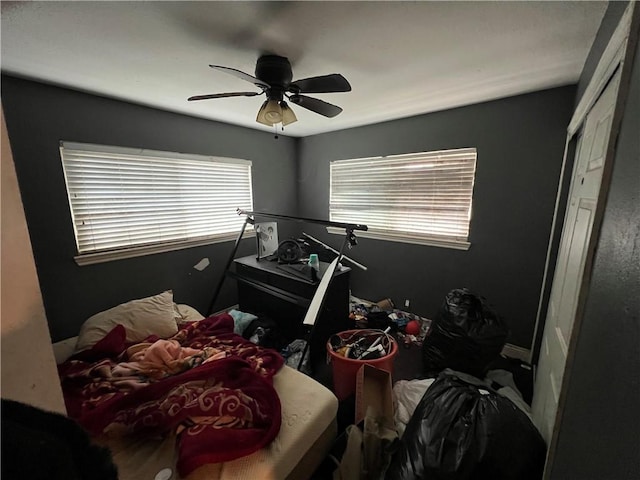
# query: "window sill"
x,y
403,238
101,257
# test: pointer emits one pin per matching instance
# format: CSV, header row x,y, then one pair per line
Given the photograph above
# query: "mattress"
x,y
306,435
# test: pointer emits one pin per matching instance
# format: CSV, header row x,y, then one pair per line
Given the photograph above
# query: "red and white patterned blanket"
x,y
209,386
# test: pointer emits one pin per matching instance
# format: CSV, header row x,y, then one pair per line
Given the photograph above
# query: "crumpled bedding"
x,y
207,385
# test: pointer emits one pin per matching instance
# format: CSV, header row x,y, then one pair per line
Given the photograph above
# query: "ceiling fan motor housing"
x,y
276,71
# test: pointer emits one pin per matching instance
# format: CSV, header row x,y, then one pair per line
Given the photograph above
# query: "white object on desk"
x,y
316,302
267,238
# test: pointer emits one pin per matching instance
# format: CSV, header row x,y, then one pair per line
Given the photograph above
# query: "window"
x,y
127,202
420,198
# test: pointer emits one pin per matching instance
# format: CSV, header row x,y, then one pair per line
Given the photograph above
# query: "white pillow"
x,y
143,317
188,313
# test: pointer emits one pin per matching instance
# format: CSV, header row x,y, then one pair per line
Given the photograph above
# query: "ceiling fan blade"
x,y
323,84
315,105
223,95
241,75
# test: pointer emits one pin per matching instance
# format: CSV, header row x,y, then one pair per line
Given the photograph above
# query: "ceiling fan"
x,y
273,76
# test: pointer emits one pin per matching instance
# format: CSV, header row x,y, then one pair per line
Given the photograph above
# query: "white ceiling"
x,y
401,58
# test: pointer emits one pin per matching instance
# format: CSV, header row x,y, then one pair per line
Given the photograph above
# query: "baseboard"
x,y
513,351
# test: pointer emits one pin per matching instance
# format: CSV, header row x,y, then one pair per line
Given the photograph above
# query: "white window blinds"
x,y
418,198
123,198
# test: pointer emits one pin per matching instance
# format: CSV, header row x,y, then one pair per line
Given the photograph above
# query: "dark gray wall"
x,y
520,142
39,116
598,435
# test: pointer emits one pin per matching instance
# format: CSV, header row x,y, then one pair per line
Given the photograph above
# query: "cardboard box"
x,y
374,413
373,389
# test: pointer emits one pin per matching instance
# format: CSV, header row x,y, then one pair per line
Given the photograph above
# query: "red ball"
x,y
412,328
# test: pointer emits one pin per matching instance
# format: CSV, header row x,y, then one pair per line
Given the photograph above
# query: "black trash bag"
x,y
466,336
462,429
266,333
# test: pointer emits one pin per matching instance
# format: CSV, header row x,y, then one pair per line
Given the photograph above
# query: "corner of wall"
x,y
29,373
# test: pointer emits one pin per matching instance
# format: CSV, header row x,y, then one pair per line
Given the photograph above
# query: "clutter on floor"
x,y
467,416
348,351
292,354
407,395
464,429
363,344
365,449
521,371
408,328
467,335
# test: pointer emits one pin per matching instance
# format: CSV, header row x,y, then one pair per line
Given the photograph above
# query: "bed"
x,y
293,440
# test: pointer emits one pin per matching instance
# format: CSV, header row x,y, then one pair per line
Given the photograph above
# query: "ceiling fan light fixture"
x,y
270,113
287,114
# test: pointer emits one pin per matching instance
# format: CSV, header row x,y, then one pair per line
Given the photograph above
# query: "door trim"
x,y
612,56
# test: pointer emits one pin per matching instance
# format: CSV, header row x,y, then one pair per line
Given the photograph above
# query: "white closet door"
x,y
575,246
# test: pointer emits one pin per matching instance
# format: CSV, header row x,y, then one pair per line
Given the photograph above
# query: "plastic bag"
x,y
406,397
467,335
368,450
464,429
292,354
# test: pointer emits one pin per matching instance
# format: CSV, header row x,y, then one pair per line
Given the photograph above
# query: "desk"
x,y
268,291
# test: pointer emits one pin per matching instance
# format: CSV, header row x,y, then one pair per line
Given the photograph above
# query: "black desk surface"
x,y
274,268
